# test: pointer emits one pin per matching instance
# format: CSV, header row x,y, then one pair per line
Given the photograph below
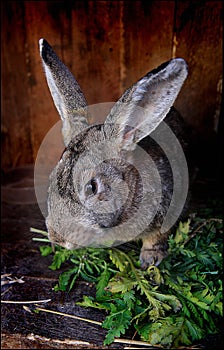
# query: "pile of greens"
x,y
175,304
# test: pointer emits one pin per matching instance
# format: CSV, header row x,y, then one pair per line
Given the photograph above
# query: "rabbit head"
x,y
112,183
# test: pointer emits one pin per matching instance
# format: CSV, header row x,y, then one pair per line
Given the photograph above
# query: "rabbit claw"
x,y
154,249
151,256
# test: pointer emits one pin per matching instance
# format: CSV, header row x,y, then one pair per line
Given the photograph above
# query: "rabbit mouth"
x,y
57,238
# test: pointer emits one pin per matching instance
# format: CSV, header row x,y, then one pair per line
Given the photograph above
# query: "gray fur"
x,y
71,105
113,182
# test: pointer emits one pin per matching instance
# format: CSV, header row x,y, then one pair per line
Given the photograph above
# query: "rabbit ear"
x,y
66,93
143,106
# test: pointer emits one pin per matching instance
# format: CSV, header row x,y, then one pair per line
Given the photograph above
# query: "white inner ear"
x,y
66,93
151,100
57,97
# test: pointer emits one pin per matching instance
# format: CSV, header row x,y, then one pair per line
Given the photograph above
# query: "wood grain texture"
x,y
108,45
199,37
16,136
147,32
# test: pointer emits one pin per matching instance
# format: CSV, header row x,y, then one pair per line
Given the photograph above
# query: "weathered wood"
x,y
15,108
31,341
43,113
199,41
96,49
54,328
108,45
199,38
21,259
147,37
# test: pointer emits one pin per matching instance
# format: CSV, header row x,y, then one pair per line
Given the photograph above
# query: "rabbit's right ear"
x,y
144,106
66,93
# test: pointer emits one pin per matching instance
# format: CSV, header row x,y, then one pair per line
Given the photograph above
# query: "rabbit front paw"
x,y
151,256
154,249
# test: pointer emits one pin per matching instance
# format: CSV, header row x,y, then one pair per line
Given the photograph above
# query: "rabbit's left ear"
x,y
143,106
66,93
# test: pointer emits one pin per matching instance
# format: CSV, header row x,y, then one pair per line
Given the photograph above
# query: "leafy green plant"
x,y
174,304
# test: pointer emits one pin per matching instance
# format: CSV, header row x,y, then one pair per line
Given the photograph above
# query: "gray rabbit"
x,y
115,181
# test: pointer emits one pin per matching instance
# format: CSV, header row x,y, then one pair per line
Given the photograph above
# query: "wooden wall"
x,y
108,45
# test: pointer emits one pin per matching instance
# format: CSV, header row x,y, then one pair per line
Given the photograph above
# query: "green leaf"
x,y
219,307
65,278
172,300
89,302
60,257
117,323
118,258
129,299
195,331
103,280
171,305
45,250
182,232
120,284
165,331
196,301
154,275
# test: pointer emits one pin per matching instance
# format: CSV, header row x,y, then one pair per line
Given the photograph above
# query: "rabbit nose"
x,y
104,194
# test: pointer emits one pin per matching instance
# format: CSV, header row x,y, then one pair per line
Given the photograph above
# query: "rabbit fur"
x,y
113,183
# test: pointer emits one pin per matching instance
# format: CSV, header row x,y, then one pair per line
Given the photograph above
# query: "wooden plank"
x,y
16,141
43,114
147,36
21,258
31,341
199,37
49,327
96,46
108,45
67,33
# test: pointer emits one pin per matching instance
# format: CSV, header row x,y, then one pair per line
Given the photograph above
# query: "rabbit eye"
x,y
91,187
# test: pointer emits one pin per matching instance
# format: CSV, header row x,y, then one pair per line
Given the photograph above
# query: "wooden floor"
x,y
26,277
21,327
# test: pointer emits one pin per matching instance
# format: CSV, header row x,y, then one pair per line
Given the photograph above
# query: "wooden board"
x,y
22,260
108,45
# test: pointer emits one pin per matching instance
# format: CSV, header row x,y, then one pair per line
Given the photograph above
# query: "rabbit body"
x,y
114,182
